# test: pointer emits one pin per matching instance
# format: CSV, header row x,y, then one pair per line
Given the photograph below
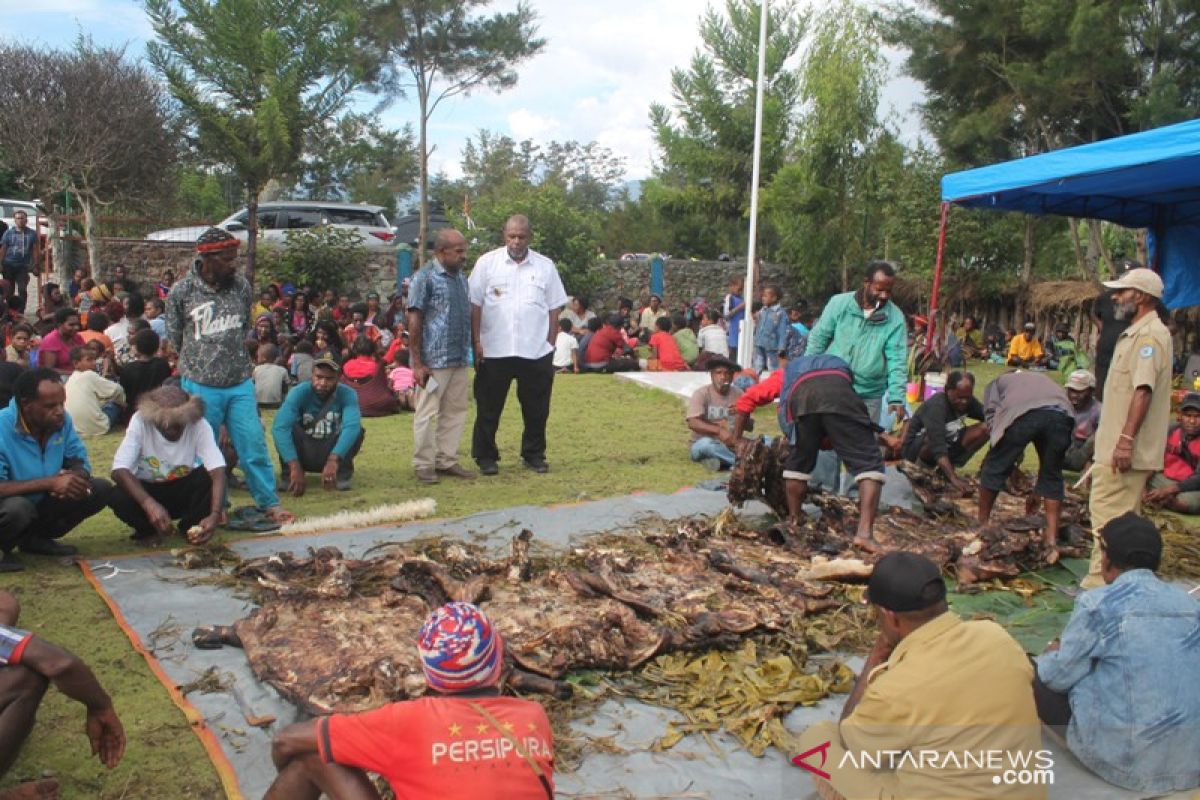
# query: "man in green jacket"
x,y
867,330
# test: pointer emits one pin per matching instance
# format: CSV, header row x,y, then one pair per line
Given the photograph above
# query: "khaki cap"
x,y
1144,280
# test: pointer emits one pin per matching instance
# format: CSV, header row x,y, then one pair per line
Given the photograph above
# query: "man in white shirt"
x,y
515,295
168,467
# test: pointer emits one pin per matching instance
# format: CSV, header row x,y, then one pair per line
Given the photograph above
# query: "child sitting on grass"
x,y
566,348
666,350
403,383
270,379
147,371
94,402
18,350
301,363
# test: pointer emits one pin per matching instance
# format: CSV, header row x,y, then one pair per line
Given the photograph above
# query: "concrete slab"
x,y
681,384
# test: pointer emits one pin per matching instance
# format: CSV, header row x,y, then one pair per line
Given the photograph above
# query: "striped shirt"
x,y
12,645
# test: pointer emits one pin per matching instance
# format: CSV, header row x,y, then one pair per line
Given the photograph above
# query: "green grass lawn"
x,y
606,438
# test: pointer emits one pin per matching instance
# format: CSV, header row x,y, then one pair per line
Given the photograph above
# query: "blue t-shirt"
x,y
18,246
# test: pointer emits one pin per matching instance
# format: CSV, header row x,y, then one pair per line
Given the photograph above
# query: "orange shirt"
x,y
440,747
667,350
88,336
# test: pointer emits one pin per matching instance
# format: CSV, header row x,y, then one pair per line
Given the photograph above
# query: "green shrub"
x,y
326,257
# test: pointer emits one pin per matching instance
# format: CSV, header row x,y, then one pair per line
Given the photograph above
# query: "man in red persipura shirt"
x,y
463,741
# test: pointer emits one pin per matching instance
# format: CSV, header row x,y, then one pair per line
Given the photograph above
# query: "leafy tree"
x,y
819,201
319,257
91,123
705,142
562,231
438,49
355,158
208,194
256,78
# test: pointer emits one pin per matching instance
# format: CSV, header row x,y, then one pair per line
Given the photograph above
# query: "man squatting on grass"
x,y
28,664
168,467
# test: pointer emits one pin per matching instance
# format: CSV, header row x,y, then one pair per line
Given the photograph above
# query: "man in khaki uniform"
x,y
1132,436
935,697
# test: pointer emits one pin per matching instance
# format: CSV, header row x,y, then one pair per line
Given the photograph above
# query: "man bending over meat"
x,y
818,403
462,742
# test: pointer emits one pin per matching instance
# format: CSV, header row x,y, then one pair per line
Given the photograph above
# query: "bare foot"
x,y
1052,554
866,543
45,789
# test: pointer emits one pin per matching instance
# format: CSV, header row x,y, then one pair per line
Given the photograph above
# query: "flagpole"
x,y
746,340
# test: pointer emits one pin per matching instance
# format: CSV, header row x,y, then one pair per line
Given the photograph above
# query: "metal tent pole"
x,y
746,340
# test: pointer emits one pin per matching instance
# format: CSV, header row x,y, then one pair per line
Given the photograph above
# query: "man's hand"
x,y
1122,460
478,348
296,479
329,474
962,486
1162,495
158,516
70,485
881,650
899,410
421,374
106,734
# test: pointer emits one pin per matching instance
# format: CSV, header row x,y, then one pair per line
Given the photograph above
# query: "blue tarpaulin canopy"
x,y
1144,180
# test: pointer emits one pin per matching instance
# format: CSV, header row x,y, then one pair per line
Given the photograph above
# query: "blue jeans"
x,y
765,360
113,412
236,409
708,447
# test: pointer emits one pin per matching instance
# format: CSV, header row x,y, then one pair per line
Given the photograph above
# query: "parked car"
x,y
10,207
277,217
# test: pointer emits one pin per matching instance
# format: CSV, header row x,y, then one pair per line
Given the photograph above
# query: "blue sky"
x,y
604,63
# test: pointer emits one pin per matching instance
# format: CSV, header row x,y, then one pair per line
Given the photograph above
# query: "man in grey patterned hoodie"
x,y
208,320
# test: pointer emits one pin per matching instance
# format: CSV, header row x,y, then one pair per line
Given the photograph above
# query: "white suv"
x,y
10,207
277,217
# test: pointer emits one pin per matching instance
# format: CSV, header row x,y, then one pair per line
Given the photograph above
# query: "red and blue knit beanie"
x,y
459,649
215,239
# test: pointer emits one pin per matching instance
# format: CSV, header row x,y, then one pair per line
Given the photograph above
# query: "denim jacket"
x,y
1128,659
772,328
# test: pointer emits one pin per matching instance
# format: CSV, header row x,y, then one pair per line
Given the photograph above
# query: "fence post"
x,y
657,277
404,264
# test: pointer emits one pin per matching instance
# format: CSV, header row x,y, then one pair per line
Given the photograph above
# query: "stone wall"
x,y
145,262
683,281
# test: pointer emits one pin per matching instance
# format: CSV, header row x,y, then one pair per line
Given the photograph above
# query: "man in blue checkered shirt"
x,y
439,338
27,665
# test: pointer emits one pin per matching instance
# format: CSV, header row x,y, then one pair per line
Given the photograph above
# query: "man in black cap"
x,y
708,413
1025,350
1122,680
924,674
1177,486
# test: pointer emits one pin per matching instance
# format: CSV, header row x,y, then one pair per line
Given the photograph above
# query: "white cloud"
x,y
525,124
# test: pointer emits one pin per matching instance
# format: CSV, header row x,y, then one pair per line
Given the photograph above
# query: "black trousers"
x,y
535,381
187,499
313,453
50,517
1053,708
1050,431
